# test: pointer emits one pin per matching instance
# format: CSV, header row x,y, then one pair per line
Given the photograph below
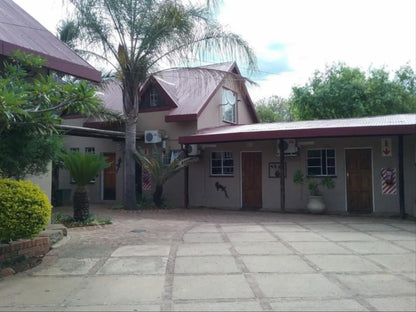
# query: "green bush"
x,y
24,210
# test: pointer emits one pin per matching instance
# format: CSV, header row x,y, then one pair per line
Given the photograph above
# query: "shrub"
x,y
24,210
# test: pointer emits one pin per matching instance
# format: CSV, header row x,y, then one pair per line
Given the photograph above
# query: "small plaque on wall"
x,y
274,170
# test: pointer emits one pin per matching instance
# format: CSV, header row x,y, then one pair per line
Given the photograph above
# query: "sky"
x,y
294,38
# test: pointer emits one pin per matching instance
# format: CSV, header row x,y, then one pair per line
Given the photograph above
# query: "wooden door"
x,y
359,180
109,184
251,180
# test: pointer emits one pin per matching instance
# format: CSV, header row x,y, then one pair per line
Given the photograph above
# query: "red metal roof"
x,y
380,125
19,30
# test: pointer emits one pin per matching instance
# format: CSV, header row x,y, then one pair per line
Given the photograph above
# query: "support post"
x,y
401,177
186,183
282,175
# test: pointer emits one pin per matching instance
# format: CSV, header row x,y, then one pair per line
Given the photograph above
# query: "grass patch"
x,y
69,221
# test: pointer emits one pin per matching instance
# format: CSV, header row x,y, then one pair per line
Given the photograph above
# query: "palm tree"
x,y
83,169
137,35
160,170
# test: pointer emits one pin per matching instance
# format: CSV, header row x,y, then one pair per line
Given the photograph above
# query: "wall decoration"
x,y
388,181
146,181
221,188
274,170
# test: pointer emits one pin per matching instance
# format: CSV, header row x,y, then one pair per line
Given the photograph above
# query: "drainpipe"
x,y
282,175
401,177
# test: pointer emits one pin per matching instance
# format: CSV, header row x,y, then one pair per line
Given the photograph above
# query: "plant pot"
x,y
316,204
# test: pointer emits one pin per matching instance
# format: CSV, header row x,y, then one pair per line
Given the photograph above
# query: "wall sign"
x,y
274,170
146,181
386,147
388,181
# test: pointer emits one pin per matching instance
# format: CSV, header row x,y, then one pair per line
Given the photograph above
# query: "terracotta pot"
x,y
316,204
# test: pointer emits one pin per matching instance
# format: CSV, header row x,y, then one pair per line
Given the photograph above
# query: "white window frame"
x,y
90,150
225,156
226,104
323,166
154,98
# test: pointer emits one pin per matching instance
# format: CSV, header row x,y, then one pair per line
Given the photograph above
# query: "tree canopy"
x,y
346,92
273,109
136,36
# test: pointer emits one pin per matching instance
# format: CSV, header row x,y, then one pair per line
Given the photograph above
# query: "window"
x,y
222,164
74,149
321,162
229,101
90,150
154,96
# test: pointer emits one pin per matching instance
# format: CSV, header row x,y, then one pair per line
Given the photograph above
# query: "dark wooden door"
x,y
110,178
359,180
251,180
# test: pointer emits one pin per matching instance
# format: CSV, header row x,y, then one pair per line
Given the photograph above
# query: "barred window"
x,y
321,162
222,164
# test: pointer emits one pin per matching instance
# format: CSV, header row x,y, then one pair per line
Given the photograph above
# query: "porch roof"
x,y
367,126
20,31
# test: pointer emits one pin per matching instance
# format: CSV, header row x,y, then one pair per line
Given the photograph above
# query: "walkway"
x,y
199,260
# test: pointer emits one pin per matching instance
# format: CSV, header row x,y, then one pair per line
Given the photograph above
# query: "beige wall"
x,y
44,181
204,194
409,144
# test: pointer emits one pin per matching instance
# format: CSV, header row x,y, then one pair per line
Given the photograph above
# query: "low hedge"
x,y
24,210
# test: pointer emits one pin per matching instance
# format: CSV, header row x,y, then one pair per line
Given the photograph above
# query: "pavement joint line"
x,y
251,281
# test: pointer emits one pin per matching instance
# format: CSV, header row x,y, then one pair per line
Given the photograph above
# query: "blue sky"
x,y
293,38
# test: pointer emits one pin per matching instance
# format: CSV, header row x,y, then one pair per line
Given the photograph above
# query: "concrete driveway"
x,y
203,260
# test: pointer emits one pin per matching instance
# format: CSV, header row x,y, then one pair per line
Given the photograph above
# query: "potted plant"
x,y
316,202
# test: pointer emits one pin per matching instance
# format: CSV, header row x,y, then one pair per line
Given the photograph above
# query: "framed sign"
x,y
274,170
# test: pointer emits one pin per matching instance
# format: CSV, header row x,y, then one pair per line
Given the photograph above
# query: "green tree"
x,y
137,35
160,170
31,103
83,169
273,109
344,92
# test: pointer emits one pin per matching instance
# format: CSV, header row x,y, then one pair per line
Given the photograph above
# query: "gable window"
x,y
222,164
321,162
90,150
229,103
154,98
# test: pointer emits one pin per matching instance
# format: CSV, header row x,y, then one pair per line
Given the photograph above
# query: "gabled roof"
x,y
367,126
191,89
19,30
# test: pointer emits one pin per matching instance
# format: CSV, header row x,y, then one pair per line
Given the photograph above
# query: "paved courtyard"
x,y
212,260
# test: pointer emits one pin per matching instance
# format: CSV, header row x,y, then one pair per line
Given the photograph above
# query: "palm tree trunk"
x,y
81,204
130,166
157,195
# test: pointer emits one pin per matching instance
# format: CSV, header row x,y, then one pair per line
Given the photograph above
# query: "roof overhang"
x,y
371,126
91,132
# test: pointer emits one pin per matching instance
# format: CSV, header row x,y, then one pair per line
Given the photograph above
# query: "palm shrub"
x,y
159,170
83,168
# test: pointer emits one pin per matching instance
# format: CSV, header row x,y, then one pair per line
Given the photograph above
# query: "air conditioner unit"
x,y
291,149
152,136
192,149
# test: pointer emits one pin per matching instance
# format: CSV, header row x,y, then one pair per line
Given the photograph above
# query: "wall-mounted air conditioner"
x,y
291,149
192,149
152,136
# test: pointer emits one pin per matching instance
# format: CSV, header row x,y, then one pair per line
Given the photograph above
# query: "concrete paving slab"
x,y
211,287
318,305
277,263
117,290
348,236
411,245
251,237
381,284
204,249
343,263
37,290
239,305
396,263
396,236
82,251
206,264
336,227
394,303
204,228
121,308
373,227
319,248
276,285
301,237
141,250
263,248
136,265
376,247
410,226
286,228
242,228
203,238
20,308
66,266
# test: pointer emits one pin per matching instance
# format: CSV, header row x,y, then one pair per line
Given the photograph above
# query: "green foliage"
x,y
345,92
70,222
273,109
84,168
24,210
313,183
